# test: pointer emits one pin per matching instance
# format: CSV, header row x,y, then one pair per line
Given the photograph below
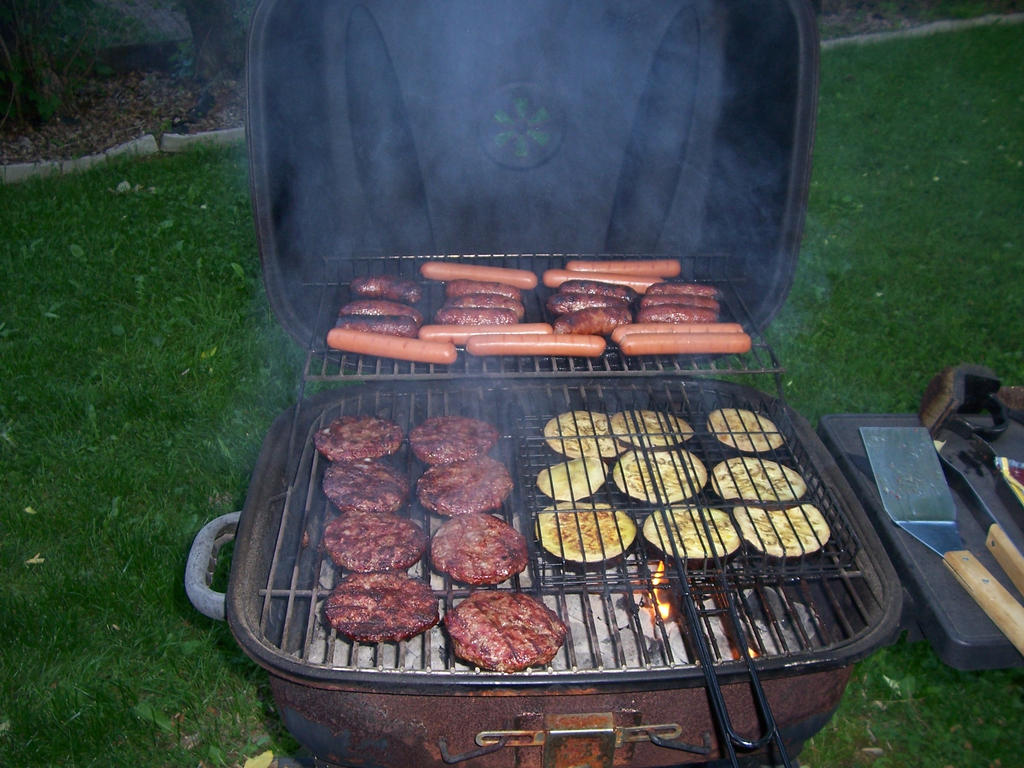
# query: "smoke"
x,y
492,126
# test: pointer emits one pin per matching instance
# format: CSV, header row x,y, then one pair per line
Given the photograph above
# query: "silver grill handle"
x,y
202,560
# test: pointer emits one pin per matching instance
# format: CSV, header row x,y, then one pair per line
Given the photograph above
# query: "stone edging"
x,y
925,30
178,142
144,145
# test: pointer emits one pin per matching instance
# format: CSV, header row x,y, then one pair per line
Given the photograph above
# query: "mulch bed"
x,y
114,110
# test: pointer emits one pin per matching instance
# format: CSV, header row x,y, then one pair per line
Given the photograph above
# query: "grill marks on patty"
x,y
478,549
381,607
367,485
366,543
462,487
504,631
358,437
445,439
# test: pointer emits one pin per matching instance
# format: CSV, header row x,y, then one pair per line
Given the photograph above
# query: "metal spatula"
x,y
915,495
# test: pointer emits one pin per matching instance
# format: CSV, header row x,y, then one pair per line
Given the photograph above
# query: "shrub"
x,y
46,48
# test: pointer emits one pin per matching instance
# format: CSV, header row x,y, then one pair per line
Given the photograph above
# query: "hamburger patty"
x,y
381,607
504,631
444,439
358,437
365,485
473,485
478,549
364,542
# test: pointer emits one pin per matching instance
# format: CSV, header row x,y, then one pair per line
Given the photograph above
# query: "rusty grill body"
x,y
679,128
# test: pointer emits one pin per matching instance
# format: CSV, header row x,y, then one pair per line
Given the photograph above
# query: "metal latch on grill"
x,y
578,741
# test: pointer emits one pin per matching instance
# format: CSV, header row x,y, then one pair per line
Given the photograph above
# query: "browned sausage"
x,y
462,287
474,316
675,313
386,287
693,301
563,303
488,301
381,307
682,289
391,325
596,321
553,278
597,288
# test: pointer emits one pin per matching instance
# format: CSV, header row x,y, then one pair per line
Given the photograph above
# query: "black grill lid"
x,y
536,126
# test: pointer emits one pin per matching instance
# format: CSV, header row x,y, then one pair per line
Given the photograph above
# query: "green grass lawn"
x,y
913,259
140,368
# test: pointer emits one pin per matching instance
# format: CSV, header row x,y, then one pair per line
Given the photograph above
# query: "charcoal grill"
x,y
688,135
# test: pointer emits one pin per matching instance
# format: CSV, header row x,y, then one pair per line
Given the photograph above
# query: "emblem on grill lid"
x,y
520,127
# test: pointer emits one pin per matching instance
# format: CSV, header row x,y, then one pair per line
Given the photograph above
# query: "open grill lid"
x,y
397,128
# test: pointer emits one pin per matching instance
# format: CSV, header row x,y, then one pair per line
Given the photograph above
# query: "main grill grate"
x,y
785,609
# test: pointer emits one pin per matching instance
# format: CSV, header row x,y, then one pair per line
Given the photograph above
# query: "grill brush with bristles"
x,y
967,389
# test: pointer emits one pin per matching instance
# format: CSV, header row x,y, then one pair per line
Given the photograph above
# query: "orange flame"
x,y
735,652
663,606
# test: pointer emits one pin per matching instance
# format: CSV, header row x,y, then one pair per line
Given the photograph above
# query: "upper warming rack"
x,y
330,291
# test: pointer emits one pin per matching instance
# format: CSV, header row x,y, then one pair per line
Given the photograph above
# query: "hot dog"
x,y
685,344
475,316
595,321
553,278
675,313
650,328
642,267
684,289
460,334
707,302
390,325
380,345
453,270
536,344
377,307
